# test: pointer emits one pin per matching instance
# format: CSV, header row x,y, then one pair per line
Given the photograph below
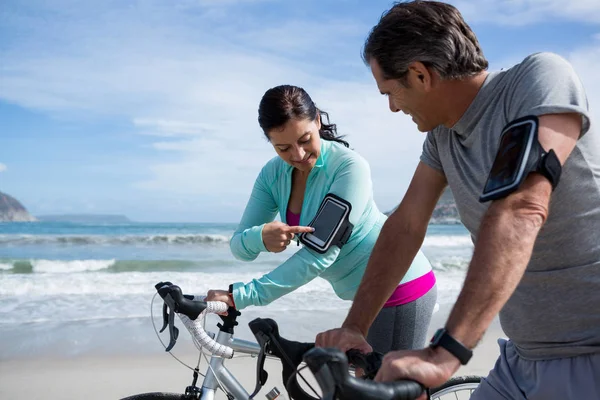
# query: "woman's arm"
x,y
353,183
246,242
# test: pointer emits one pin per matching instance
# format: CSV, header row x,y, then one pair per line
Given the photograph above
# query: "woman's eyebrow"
x,y
300,138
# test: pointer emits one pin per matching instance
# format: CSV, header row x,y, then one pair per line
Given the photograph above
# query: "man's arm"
x,y
502,251
399,241
397,244
506,238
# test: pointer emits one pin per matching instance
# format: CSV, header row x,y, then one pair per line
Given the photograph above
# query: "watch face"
x,y
437,336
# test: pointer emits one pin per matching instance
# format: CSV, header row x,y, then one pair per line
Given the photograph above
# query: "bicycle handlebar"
x,y
191,310
330,368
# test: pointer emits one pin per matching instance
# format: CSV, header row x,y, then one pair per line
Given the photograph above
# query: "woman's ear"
x,y
318,120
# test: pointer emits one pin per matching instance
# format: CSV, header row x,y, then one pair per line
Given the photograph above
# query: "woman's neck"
x,y
301,175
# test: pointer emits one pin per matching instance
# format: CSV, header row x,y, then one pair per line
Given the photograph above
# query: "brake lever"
x,y
374,359
165,315
261,374
371,360
160,286
173,331
169,307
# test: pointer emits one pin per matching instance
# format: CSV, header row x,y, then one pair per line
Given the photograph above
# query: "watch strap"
x,y
442,338
231,294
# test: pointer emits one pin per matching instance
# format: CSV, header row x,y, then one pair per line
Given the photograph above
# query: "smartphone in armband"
x,y
519,153
332,225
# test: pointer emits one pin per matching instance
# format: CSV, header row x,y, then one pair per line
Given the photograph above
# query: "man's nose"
x,y
393,107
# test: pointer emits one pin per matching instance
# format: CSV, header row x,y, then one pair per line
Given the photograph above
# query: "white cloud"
x,y
3,167
201,99
195,86
170,128
523,12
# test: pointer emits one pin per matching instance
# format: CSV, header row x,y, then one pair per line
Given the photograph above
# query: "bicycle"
x,y
330,367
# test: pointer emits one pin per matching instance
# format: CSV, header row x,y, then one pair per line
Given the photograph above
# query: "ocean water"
x,y
70,289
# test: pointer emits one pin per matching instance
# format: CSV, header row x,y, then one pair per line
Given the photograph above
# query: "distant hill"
x,y
445,211
85,218
11,210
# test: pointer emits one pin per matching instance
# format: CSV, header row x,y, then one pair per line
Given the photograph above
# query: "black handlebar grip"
x,y
332,365
371,390
178,301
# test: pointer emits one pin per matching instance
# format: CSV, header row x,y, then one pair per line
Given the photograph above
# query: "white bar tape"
x,y
195,328
216,307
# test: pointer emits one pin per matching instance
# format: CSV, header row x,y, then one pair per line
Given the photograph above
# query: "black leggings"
x,y
403,327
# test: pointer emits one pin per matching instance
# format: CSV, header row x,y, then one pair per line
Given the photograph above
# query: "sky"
x,y
149,108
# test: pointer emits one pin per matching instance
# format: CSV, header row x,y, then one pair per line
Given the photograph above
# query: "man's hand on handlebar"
x,y
430,367
343,339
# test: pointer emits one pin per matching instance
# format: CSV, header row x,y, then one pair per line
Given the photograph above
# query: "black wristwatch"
x,y
443,339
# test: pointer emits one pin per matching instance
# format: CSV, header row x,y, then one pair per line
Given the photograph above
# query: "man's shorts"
x,y
516,378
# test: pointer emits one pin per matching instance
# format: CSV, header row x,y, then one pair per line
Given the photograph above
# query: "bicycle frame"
x,y
291,354
218,373
193,309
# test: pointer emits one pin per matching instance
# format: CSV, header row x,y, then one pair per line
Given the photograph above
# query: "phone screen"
x,y
508,161
328,219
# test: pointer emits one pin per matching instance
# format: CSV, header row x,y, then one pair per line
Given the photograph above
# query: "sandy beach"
x,y
75,306
113,376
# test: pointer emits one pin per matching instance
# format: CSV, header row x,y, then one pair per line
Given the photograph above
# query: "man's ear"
x,y
419,75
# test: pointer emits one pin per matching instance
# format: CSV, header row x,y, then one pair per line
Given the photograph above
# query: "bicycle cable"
x,y
196,344
163,344
297,372
202,353
290,363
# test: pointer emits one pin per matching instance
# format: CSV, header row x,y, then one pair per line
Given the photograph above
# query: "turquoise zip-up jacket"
x,y
340,171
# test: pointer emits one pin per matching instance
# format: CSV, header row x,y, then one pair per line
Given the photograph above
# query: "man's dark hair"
x,y
430,32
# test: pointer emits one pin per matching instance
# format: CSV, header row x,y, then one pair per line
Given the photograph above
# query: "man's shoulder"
x,y
541,64
544,58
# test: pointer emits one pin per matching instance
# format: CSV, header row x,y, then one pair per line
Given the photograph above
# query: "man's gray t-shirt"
x,y
555,310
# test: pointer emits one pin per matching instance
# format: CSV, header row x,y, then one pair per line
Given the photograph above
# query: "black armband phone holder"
x,y
519,154
332,225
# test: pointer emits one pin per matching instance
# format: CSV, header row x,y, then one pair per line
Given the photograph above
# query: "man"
x,y
537,246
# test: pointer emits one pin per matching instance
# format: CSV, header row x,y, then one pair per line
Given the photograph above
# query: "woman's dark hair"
x,y
285,102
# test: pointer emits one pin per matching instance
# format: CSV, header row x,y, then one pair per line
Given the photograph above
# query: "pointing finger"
x,y
301,229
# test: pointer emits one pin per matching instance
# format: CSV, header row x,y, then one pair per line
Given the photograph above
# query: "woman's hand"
x,y
219,295
277,236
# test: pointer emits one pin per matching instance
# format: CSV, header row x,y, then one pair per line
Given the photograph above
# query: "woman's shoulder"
x,y
342,157
272,169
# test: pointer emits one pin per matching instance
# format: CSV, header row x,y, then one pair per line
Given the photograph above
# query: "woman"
x,y
311,162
